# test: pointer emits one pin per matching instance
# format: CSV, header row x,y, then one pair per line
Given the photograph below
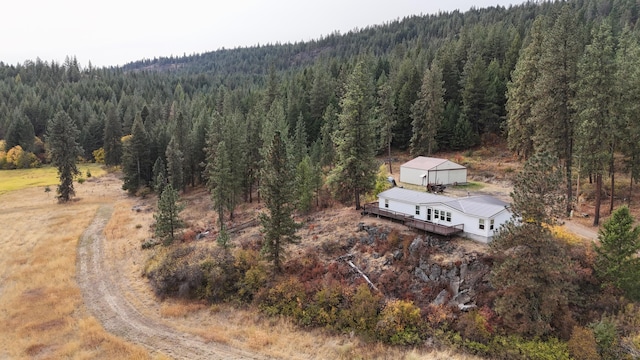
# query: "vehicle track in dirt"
x,y
105,300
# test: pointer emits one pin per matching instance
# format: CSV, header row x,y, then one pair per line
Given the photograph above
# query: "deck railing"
x,y
410,221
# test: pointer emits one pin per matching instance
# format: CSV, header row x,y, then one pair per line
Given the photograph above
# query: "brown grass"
x,y
41,310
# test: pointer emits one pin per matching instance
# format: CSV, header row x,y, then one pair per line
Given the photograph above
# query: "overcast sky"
x,y
115,32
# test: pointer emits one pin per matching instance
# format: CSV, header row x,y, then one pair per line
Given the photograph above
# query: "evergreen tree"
x,y
520,98
617,263
278,226
136,163
552,115
175,162
305,184
328,129
474,102
628,102
300,149
355,171
407,85
427,113
167,217
159,175
594,103
62,136
533,273
221,183
20,132
385,116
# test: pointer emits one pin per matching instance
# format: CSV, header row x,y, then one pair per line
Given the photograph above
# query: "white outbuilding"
x,y
427,170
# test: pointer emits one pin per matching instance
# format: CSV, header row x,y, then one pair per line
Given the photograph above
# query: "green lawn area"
x,y
11,180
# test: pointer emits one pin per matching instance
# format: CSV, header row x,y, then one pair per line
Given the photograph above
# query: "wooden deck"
x,y
410,221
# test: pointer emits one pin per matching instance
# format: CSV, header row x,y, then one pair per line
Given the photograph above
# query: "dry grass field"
x,y
42,314
41,310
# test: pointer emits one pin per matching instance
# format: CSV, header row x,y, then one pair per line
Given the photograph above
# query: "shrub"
x,y
400,323
362,314
474,326
582,344
514,347
606,335
252,282
285,298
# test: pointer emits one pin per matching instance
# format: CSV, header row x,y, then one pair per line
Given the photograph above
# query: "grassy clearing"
x,y
11,180
41,310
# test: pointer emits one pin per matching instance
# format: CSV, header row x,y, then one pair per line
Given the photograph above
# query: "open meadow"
x,y
41,307
43,313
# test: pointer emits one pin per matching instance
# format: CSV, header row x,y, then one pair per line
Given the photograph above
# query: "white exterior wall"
x,y
411,176
403,207
471,223
445,177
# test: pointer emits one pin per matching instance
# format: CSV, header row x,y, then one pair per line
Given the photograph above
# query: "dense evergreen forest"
x,y
554,77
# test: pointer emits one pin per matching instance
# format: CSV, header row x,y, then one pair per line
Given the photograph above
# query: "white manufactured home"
x,y
427,170
480,216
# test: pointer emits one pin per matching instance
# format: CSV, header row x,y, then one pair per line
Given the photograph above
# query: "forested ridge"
x,y
559,81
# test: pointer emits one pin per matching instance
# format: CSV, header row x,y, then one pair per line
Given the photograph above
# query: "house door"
x,y
428,214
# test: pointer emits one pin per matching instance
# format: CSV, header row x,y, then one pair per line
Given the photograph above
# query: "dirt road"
x,y
104,299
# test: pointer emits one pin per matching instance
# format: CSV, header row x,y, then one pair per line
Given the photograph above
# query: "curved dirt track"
x,y
103,297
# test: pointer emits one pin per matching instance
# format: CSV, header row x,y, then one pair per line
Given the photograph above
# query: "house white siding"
x,y
424,170
481,216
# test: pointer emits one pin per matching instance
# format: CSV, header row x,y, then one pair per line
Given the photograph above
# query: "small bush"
x,y
400,323
80,180
582,344
285,298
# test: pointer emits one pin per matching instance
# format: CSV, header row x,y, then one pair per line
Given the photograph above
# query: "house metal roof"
x,y
483,206
429,163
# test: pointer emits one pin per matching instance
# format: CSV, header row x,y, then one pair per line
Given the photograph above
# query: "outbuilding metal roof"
x,y
430,163
484,206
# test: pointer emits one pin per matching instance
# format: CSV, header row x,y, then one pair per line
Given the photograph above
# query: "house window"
x,y
449,217
491,224
481,224
436,214
417,209
386,203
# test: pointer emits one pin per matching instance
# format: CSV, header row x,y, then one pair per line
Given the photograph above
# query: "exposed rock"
x,y
435,272
416,245
441,298
420,274
397,255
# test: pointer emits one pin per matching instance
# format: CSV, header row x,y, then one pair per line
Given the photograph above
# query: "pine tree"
x,y
62,136
385,116
552,114
628,102
427,113
175,164
532,272
520,98
594,103
617,263
355,171
19,132
159,176
474,102
278,226
305,184
136,163
221,183
167,217
300,149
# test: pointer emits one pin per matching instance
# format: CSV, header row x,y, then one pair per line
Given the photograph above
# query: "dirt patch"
x,y
104,299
